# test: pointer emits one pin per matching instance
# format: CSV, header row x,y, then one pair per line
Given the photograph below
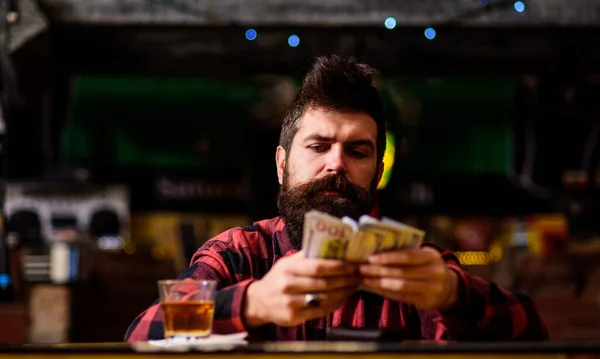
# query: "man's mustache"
x,y
338,183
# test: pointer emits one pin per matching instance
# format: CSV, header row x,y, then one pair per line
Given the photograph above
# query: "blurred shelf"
x,y
13,317
590,247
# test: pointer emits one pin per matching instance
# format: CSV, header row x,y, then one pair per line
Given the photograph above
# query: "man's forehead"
x,y
316,120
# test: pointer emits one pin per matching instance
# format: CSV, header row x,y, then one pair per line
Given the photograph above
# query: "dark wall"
x,y
558,59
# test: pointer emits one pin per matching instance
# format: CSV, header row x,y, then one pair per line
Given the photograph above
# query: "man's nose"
x,y
335,161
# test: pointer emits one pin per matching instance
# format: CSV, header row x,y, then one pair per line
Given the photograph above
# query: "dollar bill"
x,y
326,236
329,237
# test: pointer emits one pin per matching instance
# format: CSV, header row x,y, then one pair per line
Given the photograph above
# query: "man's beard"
x,y
293,202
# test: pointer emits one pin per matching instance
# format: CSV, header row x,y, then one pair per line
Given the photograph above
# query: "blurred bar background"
x,y
135,130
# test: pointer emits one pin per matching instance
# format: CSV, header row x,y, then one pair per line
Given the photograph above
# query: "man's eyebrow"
x,y
361,142
365,142
315,137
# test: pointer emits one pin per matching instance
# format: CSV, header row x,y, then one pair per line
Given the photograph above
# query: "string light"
x,y
251,34
390,23
430,33
480,258
519,6
293,40
496,253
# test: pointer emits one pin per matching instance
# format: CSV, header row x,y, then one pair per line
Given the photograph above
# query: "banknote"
x,y
329,237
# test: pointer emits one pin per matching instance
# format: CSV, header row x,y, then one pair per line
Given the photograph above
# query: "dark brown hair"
x,y
338,84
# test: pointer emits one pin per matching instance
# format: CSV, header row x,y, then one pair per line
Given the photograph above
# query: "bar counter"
x,y
321,350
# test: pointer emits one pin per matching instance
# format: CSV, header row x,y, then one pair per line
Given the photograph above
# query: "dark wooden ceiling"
x,y
225,51
319,12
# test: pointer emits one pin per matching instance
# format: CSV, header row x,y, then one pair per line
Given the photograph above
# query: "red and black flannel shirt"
x,y
239,256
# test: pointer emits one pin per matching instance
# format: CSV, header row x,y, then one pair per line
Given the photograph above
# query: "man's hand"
x,y
418,276
279,296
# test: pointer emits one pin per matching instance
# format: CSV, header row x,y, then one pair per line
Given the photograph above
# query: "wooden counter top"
x,y
322,350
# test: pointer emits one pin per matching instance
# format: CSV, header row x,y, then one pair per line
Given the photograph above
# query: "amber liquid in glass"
x,y
188,319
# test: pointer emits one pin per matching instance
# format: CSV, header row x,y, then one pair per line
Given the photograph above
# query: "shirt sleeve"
x,y
484,312
229,303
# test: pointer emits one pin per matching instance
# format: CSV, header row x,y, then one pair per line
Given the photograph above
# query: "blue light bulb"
x,y
519,6
390,23
293,40
251,34
430,33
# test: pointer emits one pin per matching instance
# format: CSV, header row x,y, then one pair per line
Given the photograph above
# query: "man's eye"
x,y
318,148
357,154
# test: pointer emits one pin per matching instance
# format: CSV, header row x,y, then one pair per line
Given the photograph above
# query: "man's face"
x,y
331,166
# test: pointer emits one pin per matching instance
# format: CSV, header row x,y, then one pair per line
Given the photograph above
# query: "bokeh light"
x,y
519,6
251,34
293,40
430,33
390,23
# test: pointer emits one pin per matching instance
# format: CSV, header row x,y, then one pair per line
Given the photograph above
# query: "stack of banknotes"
x,y
329,237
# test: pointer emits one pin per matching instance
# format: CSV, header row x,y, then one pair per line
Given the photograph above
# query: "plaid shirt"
x,y
239,256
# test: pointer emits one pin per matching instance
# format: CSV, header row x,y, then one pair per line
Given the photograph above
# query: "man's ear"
x,y
280,156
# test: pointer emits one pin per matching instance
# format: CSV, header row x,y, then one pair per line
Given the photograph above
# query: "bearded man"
x,y
330,159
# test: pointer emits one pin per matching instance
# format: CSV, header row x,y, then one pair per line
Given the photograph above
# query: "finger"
x,y
321,268
403,286
300,284
419,256
404,272
330,301
336,298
